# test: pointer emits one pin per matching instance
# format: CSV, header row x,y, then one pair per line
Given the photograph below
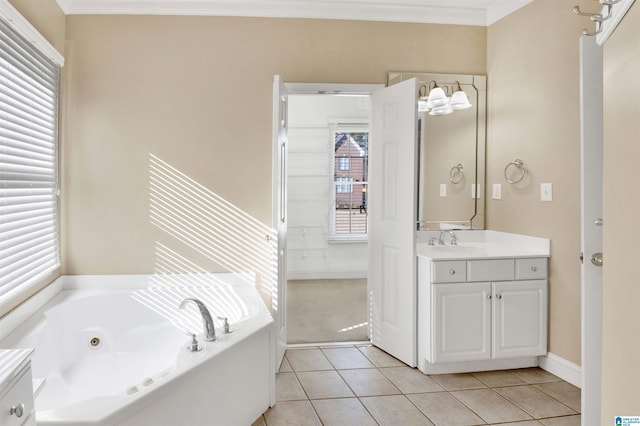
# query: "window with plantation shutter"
x,y
29,248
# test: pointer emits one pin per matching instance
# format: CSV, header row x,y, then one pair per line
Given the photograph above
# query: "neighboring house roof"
x,y
354,145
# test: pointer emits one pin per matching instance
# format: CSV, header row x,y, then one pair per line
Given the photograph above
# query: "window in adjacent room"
x,y
350,182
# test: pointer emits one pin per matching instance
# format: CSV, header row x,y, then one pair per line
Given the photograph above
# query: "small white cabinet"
x,y
16,388
474,313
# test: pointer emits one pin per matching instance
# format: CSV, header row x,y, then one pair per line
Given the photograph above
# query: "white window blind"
x,y
29,248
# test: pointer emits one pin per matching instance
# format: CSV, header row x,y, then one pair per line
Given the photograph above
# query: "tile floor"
x,y
362,385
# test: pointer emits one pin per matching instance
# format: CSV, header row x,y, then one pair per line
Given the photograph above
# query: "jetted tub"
x,y
112,351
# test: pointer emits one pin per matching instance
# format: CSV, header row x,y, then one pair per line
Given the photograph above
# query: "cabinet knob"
x,y
488,296
17,410
533,268
452,271
499,296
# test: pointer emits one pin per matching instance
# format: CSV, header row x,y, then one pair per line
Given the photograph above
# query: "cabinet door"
x,y
519,318
461,322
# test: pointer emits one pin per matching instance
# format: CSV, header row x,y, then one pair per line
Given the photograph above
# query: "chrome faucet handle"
x,y
226,324
193,346
454,238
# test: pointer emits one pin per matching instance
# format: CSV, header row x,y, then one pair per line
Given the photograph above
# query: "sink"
x,y
483,245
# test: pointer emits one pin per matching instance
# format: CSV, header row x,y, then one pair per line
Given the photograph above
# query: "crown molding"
x,y
503,8
428,11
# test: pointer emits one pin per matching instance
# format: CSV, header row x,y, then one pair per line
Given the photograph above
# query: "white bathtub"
x,y
112,351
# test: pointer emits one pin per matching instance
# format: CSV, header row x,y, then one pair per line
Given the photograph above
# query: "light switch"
x,y
497,191
443,189
475,194
546,192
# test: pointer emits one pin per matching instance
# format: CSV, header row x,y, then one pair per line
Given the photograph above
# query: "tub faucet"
x,y
207,321
454,239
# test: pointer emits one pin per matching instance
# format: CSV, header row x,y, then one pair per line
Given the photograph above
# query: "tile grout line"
x,y
493,388
345,382
538,418
394,385
553,397
305,391
361,403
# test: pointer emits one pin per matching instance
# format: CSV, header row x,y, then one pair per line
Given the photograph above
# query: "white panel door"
x,y
279,216
461,322
519,319
591,78
392,219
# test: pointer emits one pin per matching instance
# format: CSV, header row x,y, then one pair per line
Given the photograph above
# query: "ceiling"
x,y
461,12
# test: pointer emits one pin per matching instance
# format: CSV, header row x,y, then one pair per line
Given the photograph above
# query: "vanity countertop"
x,y
12,361
477,244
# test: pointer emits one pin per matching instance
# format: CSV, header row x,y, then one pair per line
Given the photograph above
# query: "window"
x,y
343,188
29,248
343,163
350,180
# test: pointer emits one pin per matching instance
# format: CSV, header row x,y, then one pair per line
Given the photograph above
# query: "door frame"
x,y
306,89
591,145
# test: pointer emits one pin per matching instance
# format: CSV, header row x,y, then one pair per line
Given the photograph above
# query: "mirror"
x,y
451,152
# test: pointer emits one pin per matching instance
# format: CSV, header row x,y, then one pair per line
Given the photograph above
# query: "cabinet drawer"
x,y
20,392
531,269
449,271
490,270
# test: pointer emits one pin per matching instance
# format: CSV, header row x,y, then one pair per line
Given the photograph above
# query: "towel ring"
x,y
456,175
519,165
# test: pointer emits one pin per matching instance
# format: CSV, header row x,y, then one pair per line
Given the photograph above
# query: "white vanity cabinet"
x,y
16,388
481,314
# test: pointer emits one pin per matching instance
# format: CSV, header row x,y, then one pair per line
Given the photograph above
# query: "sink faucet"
x,y
443,233
207,321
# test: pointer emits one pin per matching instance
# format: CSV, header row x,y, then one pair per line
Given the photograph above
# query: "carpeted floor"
x,y
320,311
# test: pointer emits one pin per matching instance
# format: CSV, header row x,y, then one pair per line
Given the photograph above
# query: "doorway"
x,y
327,166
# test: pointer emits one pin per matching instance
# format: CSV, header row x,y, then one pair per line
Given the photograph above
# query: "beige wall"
x,y
621,293
533,71
197,93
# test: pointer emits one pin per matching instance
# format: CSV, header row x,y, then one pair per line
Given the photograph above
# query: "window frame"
x,y
25,46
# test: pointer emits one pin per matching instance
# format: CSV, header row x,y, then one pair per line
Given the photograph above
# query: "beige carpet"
x,y
320,311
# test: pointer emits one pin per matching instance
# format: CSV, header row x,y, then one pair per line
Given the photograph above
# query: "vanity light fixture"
x,y
459,99
438,102
437,96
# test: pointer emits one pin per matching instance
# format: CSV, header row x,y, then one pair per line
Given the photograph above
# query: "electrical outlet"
x,y
546,192
443,189
497,191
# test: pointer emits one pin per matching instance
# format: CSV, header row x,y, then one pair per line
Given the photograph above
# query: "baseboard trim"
x,y
566,370
326,275
327,344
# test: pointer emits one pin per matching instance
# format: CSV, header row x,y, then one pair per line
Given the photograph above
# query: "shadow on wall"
x,y
176,278
210,225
